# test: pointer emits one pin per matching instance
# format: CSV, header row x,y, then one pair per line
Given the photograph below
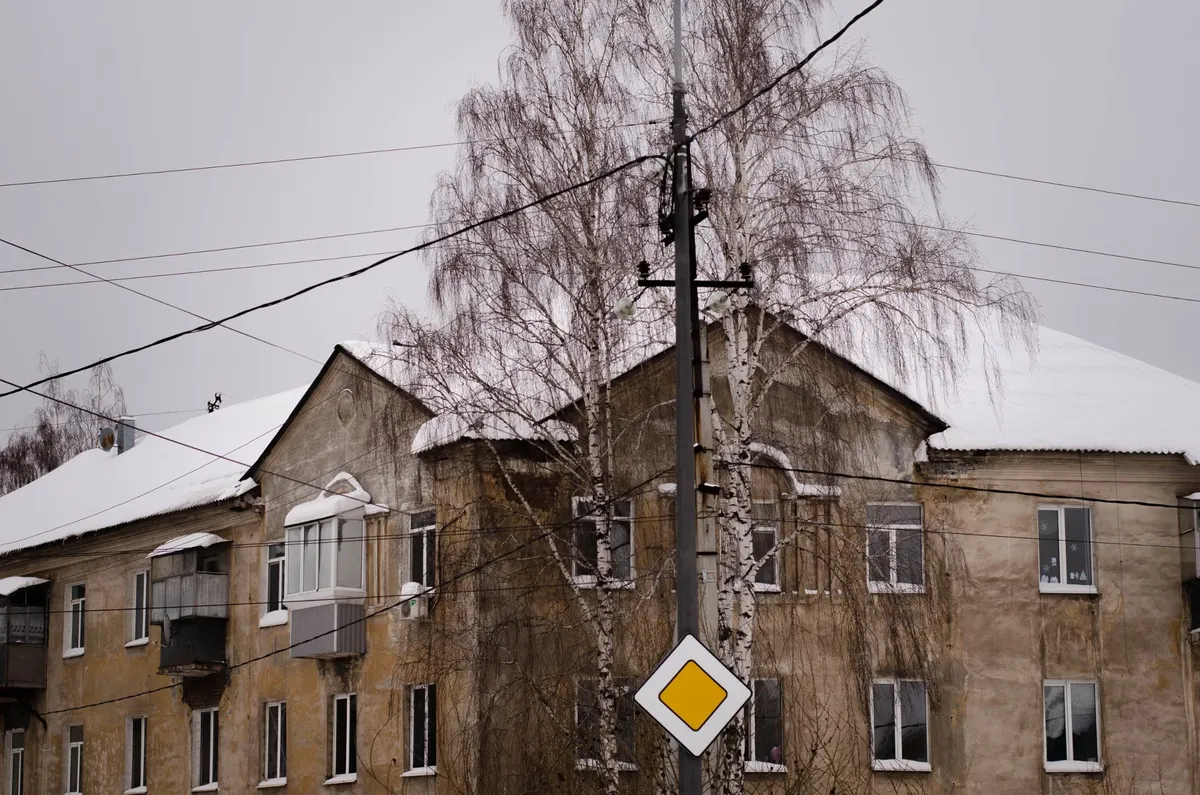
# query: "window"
x,y
586,558
765,535
139,629
423,549
135,738
74,760
16,762
587,724
1065,550
1072,727
205,742
75,620
900,725
895,553
276,556
422,729
345,731
325,554
275,743
764,728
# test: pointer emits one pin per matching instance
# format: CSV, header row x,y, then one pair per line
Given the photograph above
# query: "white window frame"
x,y
135,768
756,527
589,580
587,763
15,762
1066,587
280,749
212,765
73,754
753,765
428,549
892,586
278,616
409,756
350,752
899,764
333,590
1070,765
139,619
69,647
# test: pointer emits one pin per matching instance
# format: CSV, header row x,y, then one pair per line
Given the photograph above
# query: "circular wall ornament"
x,y
347,407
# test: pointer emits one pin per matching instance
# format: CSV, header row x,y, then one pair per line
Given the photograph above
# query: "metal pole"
x,y
687,612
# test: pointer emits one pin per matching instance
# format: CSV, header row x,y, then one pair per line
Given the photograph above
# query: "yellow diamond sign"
x,y
692,695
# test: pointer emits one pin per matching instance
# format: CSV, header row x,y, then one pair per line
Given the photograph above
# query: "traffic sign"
x,y
692,695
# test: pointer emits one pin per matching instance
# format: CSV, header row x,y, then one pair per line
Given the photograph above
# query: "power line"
x,y
149,297
68,422
342,277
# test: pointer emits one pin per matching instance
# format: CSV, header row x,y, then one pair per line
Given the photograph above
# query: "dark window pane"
x,y
352,747
340,735
1048,549
272,743
622,509
1085,740
137,762
418,727
768,721
622,550
585,548
626,726
283,740
764,542
914,741
879,553
274,585
431,756
910,566
883,707
587,719
206,747
417,562
216,743
430,558
1056,724
887,515
1079,546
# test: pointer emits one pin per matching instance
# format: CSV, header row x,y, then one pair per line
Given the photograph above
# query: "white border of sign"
x,y
737,694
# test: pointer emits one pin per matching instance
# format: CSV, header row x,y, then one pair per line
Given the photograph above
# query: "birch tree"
x,y
530,299
819,187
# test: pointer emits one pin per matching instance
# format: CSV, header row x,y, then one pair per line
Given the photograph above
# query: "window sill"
x,y
895,588
323,596
272,783
206,787
594,764
275,618
72,653
766,587
347,778
133,644
1066,588
900,766
764,767
1074,767
136,791
418,772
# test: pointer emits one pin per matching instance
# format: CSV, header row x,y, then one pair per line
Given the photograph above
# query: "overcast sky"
x,y
1097,93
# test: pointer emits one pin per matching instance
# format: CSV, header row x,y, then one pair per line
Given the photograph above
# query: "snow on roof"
x,y
189,541
98,489
1071,395
10,585
328,504
382,359
448,428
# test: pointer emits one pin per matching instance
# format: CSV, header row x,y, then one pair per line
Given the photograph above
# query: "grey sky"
x,y
1086,92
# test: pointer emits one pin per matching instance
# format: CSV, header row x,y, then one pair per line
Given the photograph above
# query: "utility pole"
x,y
687,613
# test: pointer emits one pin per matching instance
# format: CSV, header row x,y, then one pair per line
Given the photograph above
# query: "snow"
x,y
10,585
667,489
448,428
1072,395
327,504
189,541
98,489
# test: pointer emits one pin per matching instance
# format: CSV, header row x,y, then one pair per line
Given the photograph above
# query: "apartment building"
x,y
358,596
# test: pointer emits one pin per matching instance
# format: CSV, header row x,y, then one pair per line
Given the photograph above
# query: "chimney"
x,y
108,438
125,432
